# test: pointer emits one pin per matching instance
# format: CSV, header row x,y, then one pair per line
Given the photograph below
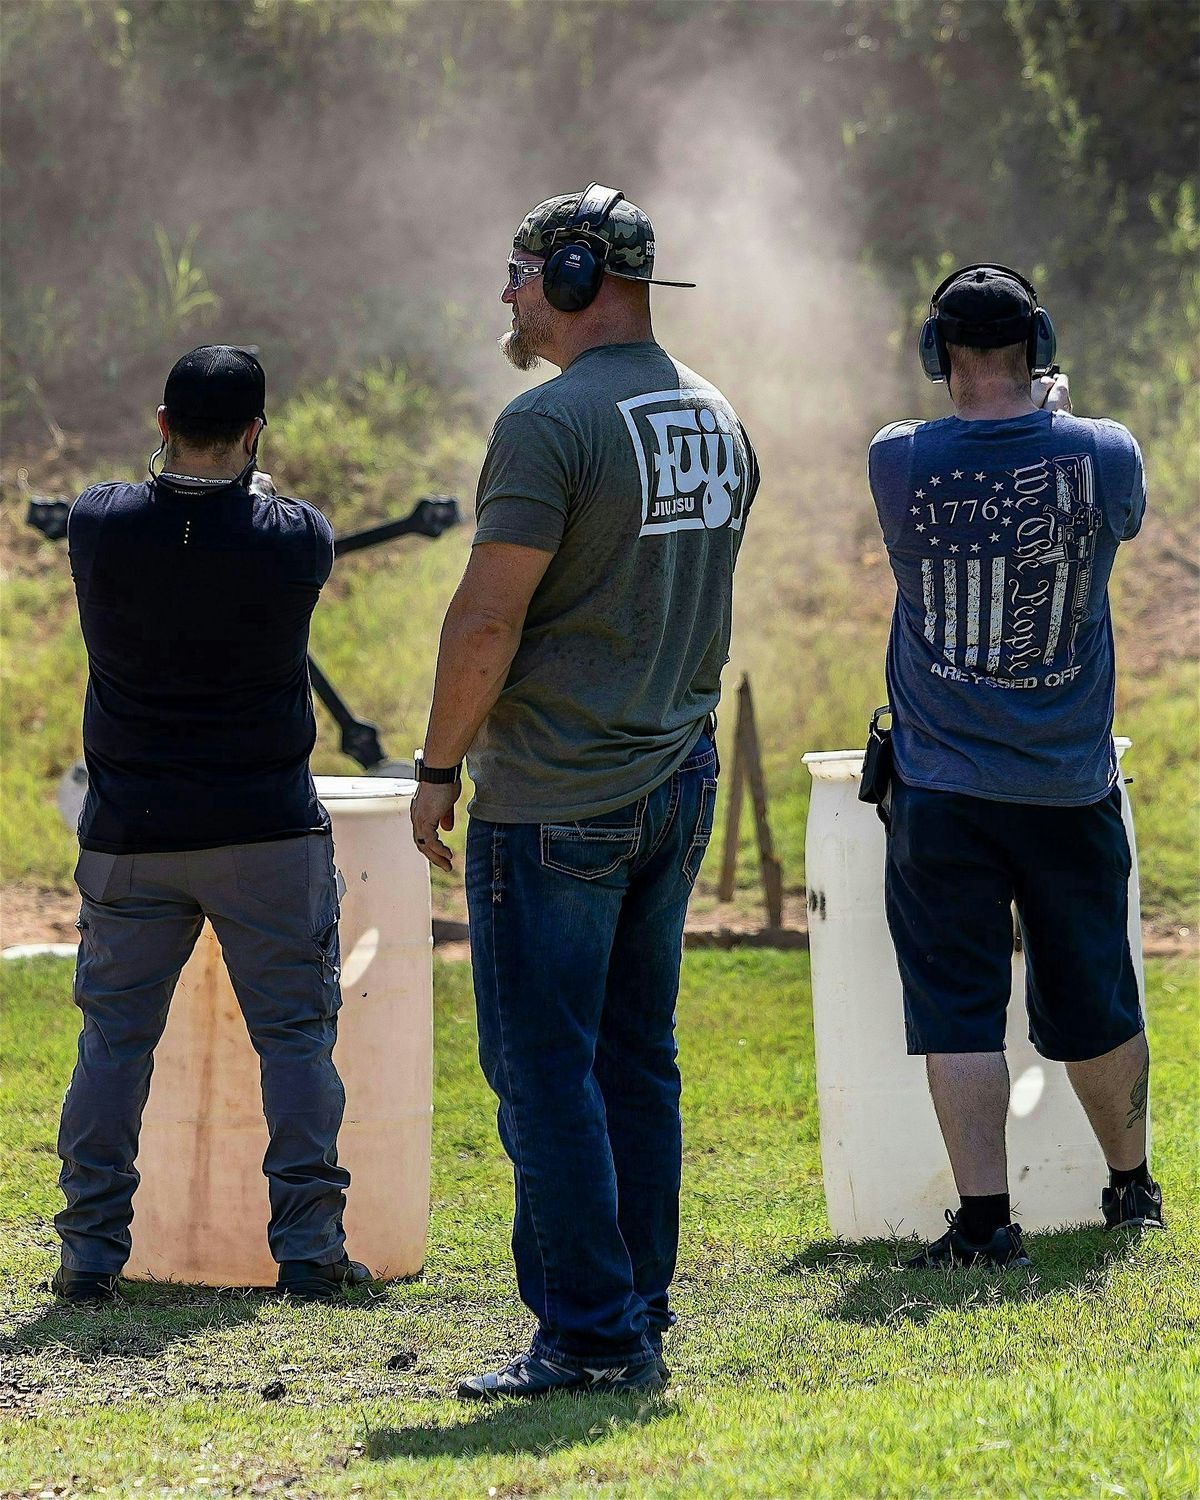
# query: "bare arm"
x,y
480,636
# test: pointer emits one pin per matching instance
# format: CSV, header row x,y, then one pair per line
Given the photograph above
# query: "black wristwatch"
x,y
436,775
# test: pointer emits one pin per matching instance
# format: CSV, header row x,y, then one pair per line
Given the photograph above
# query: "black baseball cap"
x,y
218,384
985,307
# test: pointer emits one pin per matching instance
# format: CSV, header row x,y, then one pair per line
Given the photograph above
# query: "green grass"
x,y
801,1367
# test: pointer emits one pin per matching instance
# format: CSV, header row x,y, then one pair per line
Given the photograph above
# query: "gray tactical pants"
x,y
274,908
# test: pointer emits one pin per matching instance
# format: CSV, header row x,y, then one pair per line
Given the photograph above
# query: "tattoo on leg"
x,y
1137,1098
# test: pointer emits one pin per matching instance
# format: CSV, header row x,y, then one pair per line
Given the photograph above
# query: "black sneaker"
x,y
663,1368
1003,1251
84,1286
530,1375
308,1282
1137,1206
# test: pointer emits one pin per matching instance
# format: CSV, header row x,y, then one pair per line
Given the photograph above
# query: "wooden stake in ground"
x,y
747,766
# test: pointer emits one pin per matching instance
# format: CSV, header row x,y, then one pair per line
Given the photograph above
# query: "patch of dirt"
x,y
31,914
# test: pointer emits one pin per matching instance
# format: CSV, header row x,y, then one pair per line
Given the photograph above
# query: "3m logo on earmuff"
x,y
575,268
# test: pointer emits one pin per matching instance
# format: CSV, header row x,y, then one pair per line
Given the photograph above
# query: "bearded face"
x,y
524,342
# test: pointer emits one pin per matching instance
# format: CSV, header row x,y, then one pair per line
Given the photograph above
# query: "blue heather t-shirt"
x,y
1001,535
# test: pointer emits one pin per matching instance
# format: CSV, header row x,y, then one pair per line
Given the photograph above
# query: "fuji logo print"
x,y
692,464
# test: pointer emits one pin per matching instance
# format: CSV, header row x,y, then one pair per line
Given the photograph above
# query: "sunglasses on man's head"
x,y
519,272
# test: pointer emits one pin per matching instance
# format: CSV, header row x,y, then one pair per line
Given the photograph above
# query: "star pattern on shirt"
x,y
915,511
934,541
1008,502
1007,521
974,546
954,546
995,537
997,486
958,474
920,494
981,477
935,480
920,526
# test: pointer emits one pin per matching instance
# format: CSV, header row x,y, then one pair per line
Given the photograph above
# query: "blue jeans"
x,y
576,940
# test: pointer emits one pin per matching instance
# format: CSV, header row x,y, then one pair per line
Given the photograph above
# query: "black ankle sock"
x,y
1140,1175
980,1218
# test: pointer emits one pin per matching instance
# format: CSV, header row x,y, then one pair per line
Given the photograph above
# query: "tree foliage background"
x,y
335,180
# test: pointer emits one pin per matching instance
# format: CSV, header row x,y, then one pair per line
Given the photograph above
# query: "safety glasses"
x,y
519,272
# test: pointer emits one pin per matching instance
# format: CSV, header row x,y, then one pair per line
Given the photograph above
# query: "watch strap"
x,y
436,775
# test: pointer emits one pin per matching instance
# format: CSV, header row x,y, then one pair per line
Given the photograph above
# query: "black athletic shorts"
x,y
954,866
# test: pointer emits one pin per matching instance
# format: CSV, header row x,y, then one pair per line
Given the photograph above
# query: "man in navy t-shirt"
x,y
1001,524
195,592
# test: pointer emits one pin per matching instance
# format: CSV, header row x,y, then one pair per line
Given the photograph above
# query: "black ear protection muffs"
x,y
574,268
940,328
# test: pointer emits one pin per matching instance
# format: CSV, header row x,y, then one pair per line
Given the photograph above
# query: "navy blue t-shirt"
x,y
195,607
1002,535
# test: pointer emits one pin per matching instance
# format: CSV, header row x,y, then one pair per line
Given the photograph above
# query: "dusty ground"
x,y
31,915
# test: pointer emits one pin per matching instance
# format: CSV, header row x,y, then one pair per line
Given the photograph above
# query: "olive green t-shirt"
x,y
637,475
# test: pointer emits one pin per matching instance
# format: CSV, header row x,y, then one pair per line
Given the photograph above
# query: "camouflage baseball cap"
x,y
627,231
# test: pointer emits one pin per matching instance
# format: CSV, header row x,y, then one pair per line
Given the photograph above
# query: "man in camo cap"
x,y
580,665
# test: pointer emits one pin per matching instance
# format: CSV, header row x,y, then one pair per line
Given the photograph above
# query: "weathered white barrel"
x,y
883,1161
200,1213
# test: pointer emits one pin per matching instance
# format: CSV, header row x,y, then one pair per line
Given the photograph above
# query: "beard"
x,y
520,344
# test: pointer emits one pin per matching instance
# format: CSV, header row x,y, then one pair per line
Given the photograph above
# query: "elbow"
x,y
484,631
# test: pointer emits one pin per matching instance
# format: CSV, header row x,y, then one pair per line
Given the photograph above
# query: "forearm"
x,y
474,655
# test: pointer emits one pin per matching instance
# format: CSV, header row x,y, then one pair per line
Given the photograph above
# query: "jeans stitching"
x,y
497,867
708,793
631,835
673,802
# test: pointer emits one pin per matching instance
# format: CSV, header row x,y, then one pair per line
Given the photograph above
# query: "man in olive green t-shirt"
x,y
580,665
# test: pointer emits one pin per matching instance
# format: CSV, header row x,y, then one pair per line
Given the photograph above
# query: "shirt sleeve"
x,y
324,550
1136,503
530,473
82,526
887,471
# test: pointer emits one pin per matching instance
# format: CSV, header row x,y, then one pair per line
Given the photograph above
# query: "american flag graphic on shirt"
x,y
1006,568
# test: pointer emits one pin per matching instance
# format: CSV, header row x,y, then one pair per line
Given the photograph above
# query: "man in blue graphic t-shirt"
x,y
1001,524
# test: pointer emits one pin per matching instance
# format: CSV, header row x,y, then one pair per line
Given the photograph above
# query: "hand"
x,y
432,808
1053,392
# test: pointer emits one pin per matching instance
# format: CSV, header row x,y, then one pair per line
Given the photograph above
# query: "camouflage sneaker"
x,y
530,1375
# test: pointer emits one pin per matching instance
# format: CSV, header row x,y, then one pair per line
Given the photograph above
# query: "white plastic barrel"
x,y
884,1164
200,1213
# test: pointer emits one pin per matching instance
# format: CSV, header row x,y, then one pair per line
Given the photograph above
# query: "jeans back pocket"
x,y
592,847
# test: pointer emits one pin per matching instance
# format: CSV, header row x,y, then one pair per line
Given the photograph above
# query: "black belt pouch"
x,y
877,764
